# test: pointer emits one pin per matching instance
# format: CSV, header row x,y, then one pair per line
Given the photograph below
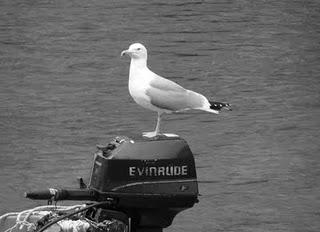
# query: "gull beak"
x,y
124,52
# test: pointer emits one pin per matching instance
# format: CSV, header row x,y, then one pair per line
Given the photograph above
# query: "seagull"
x,y
156,93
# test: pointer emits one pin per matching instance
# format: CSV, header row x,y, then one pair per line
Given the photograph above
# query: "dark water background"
x,y
63,89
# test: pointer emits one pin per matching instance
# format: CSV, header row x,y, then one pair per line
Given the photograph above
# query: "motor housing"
x,y
152,179
148,180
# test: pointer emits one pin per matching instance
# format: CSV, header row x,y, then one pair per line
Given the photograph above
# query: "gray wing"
x,y
165,84
169,95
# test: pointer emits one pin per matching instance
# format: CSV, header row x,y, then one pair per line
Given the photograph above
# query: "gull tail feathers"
x,y
206,106
212,106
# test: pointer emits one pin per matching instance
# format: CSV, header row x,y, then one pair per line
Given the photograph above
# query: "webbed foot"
x,y
150,134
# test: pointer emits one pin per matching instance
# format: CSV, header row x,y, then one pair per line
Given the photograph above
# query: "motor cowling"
x,y
148,180
151,179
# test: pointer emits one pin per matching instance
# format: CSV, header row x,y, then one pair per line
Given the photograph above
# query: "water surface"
x,y
63,89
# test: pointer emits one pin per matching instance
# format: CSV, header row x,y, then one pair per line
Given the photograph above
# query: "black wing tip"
x,y
219,105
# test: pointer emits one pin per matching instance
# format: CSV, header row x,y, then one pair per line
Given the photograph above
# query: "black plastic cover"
x,y
164,166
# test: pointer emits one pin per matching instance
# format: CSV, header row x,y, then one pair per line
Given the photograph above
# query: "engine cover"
x,y
147,174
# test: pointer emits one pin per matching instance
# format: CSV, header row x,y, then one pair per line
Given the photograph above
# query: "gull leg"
x,y
158,123
156,131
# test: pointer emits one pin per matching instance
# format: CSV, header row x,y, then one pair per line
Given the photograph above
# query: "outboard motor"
x,y
149,180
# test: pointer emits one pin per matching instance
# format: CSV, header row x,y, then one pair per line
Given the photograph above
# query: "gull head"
x,y
136,51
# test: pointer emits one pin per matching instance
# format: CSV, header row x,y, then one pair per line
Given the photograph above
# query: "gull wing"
x,y
168,95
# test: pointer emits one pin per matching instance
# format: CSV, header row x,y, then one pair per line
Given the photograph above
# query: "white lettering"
x,y
177,170
184,170
140,171
153,171
132,171
168,173
159,171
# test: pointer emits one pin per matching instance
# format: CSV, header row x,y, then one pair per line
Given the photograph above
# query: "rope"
x,y
71,214
22,217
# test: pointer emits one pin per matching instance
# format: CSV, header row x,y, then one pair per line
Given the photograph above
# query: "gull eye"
x,y
138,49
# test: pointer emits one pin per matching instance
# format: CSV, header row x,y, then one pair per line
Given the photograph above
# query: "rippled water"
x,y
63,89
